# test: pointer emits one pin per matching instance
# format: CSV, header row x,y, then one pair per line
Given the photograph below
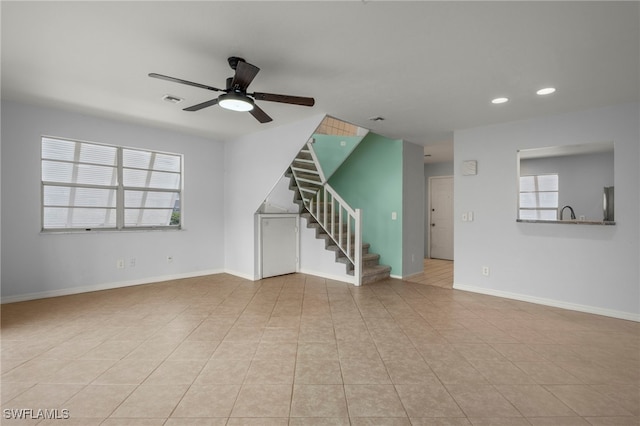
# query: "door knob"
x,y
433,224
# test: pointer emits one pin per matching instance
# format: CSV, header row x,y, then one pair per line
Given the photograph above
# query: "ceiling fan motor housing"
x,y
233,61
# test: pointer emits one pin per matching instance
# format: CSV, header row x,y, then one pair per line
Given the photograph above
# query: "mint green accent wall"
x,y
371,179
331,153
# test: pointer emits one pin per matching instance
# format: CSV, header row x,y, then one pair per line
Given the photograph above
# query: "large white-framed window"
x,y
539,197
92,186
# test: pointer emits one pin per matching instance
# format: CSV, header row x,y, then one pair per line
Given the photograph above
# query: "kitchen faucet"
x,y
573,215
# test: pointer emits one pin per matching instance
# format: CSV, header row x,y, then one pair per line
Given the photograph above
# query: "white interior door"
x,y
441,217
279,246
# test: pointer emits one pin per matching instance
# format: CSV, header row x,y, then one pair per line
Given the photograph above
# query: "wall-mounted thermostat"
x,y
469,168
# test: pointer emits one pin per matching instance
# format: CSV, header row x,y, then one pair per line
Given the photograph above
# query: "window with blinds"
x,y
539,197
93,186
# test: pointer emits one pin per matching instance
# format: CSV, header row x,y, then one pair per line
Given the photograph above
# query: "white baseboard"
x,y
550,302
345,279
104,286
406,277
240,275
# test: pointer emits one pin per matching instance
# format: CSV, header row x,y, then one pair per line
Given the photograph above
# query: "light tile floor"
x,y
437,272
300,350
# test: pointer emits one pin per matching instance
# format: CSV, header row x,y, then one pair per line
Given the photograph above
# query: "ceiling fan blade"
x,y
202,105
260,115
245,73
285,99
189,83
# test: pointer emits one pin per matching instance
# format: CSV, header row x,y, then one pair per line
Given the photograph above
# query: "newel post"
x,y
357,249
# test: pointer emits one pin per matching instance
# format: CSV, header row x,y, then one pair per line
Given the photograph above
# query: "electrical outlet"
x,y
394,215
465,217
485,271
132,262
169,259
120,264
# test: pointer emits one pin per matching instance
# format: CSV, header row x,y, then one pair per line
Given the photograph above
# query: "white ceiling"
x,y
428,68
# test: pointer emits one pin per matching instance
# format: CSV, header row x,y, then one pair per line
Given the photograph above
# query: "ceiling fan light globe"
x,y
235,102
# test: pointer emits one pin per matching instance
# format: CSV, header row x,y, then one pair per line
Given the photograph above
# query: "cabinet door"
x,y
279,246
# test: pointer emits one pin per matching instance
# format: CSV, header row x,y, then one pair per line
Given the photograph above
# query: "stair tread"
x,y
308,190
365,256
374,269
368,271
311,181
313,171
335,247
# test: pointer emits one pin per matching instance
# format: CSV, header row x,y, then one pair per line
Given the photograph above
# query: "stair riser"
x,y
304,165
376,277
340,254
365,264
314,224
305,179
303,156
336,228
371,262
336,219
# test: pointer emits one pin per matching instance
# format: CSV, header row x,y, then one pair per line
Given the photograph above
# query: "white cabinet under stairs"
x,y
279,244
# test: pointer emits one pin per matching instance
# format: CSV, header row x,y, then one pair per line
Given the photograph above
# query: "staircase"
x,y
333,219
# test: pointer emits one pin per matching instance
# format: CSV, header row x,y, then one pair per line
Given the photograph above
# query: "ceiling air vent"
x,y
172,99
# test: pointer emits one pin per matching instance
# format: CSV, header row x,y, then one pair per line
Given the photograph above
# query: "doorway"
x,y
441,217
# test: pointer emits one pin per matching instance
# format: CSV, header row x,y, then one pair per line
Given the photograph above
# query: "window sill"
x,y
570,222
107,231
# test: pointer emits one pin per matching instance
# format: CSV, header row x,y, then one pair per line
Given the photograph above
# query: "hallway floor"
x,y
301,350
437,272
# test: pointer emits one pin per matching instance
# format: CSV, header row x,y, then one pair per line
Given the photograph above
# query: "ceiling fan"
x,y
235,96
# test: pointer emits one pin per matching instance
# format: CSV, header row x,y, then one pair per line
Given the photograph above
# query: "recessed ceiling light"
x,y
499,100
546,91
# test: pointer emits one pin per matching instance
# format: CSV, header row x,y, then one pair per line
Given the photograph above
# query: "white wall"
x,y
583,267
39,265
253,165
280,199
316,260
412,209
